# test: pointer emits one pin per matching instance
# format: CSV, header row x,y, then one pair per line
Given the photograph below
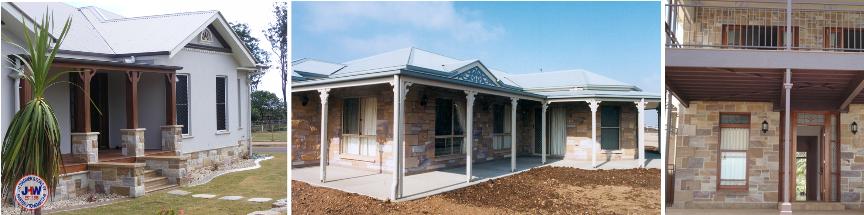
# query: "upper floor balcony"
x,y
765,24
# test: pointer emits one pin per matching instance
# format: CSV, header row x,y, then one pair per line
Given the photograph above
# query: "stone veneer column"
x,y
132,141
85,146
172,138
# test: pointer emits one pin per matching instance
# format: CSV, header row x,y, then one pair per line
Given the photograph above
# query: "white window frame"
x,y
239,106
227,120
206,36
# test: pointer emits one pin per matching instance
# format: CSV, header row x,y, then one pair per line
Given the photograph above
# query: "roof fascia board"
x,y
349,83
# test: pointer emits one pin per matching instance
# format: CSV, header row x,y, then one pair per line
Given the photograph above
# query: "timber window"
x,y
449,133
757,36
182,95
359,124
734,141
844,39
221,98
501,128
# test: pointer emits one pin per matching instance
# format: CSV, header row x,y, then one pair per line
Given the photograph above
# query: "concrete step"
x,y
818,206
148,173
148,189
155,181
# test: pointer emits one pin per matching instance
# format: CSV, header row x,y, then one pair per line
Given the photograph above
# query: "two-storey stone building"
x,y
770,102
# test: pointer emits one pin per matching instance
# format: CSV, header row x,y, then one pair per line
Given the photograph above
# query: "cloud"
x,y
328,17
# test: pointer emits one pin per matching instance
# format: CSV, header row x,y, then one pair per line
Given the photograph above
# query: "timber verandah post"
x,y
514,101
84,142
640,107
469,134
132,138
322,159
82,122
400,90
593,104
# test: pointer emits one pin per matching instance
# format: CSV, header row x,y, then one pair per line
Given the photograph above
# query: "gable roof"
x,y
97,31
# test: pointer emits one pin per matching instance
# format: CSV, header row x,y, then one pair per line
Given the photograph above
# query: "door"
x,y
610,127
814,144
99,118
538,131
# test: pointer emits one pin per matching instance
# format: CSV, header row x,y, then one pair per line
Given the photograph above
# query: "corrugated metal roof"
x,y
98,31
556,84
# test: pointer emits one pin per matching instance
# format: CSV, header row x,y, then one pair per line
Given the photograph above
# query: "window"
x,y
501,127
448,127
757,37
221,97
206,36
610,127
182,95
734,140
359,124
239,105
845,39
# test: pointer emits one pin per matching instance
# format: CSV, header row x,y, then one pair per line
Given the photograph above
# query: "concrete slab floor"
x,y
378,185
671,211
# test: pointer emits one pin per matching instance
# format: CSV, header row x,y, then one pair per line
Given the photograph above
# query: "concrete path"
x,y
377,185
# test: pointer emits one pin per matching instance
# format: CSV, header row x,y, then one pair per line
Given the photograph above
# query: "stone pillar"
x,y
593,104
513,103
85,146
543,132
132,141
469,133
172,138
324,93
640,107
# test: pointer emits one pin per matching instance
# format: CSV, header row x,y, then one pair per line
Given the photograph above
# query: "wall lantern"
x,y
423,100
764,126
304,100
854,127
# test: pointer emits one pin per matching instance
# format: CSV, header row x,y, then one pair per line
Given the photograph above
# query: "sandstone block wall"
x,y
852,158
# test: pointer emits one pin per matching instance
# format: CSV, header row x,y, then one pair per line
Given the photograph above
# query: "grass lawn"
x,y
276,136
269,181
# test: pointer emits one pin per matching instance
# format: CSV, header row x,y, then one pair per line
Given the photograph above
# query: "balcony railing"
x,y
743,25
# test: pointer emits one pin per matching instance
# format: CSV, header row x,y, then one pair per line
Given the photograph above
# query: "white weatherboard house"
x,y
450,112
172,94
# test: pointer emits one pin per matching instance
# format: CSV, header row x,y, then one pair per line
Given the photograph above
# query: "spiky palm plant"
x,y
31,143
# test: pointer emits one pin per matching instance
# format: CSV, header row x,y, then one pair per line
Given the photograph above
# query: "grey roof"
x,y
98,31
556,84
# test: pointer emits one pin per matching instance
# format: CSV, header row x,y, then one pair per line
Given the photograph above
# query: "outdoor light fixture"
x,y
304,100
854,127
764,126
423,100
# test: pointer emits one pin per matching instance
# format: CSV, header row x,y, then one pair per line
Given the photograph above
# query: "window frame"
x,y
225,95
360,121
188,104
720,151
208,34
781,31
841,36
454,121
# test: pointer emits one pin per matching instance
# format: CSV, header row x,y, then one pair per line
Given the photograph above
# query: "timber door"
x,y
815,156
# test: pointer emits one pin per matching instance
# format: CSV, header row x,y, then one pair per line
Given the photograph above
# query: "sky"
x,y
255,13
620,40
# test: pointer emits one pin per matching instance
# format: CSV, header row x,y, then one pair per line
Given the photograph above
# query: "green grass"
x,y
275,136
269,181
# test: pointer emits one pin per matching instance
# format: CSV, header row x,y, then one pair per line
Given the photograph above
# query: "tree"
x,y
261,57
267,106
32,141
277,34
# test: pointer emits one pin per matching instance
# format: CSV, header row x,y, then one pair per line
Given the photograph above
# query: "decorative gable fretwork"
x,y
475,75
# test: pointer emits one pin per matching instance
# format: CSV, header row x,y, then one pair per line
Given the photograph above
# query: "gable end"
x,y
218,42
475,75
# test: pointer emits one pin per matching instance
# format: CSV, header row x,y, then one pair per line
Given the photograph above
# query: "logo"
x,y
31,192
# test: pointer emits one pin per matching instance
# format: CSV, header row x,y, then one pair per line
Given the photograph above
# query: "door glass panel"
x,y
811,119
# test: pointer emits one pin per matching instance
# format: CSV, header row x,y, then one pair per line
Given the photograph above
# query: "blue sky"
x,y
620,40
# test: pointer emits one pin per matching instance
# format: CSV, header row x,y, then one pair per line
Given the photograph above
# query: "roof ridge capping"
x,y
163,15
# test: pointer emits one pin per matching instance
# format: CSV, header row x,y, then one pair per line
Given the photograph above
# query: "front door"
x,y
99,118
814,168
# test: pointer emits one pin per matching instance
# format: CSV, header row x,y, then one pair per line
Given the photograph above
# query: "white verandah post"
x,y
543,132
322,162
593,104
400,90
513,103
640,106
469,133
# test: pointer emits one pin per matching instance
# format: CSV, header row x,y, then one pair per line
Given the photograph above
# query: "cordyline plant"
x,y
31,144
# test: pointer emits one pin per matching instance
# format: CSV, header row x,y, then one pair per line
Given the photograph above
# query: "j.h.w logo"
x,y
31,192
